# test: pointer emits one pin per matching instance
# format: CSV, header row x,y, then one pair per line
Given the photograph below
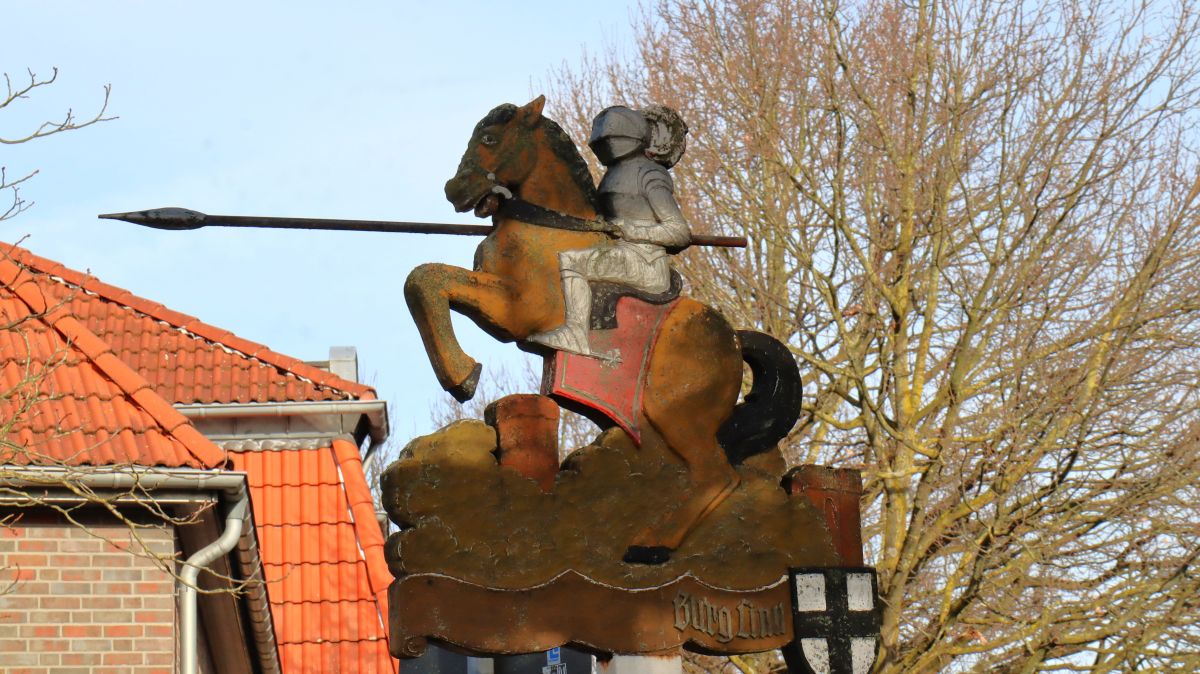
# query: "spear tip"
x,y
171,218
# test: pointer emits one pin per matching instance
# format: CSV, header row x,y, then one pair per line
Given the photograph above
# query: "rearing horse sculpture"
x,y
694,372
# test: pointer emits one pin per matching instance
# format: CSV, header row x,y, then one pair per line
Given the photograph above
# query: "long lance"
x,y
179,219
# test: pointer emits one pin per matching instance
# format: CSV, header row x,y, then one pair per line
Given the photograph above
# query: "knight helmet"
x,y
618,132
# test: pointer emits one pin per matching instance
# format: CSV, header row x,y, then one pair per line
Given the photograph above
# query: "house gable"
x,y
320,543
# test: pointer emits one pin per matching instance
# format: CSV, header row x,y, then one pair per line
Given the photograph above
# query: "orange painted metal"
x,y
527,436
836,492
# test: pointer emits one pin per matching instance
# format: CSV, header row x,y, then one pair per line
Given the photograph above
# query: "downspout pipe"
x,y
188,578
230,486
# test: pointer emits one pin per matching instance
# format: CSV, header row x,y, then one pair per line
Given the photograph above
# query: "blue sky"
x,y
318,109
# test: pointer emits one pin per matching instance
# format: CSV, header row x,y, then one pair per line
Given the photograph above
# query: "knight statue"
x,y
679,525
637,200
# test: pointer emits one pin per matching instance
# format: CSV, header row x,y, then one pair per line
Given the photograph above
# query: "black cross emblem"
x,y
837,625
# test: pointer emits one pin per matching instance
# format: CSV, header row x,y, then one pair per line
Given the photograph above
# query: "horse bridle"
x,y
516,208
519,209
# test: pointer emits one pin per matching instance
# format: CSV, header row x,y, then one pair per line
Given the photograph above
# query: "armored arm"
x,y
671,228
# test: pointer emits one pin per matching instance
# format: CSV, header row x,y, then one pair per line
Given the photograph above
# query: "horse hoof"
x,y
466,389
647,554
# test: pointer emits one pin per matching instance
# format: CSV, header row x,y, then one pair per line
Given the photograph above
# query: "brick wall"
x,y
76,601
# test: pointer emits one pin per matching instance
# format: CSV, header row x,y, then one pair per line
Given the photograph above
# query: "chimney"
x,y
343,362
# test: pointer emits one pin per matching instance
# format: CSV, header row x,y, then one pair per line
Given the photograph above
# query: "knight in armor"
x,y
637,199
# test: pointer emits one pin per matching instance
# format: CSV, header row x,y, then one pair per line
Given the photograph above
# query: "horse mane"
x,y
565,149
560,143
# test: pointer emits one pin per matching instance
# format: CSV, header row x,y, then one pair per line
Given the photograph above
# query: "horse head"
x,y
516,152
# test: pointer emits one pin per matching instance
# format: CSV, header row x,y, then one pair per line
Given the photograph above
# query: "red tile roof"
x,y
183,358
318,537
323,557
70,399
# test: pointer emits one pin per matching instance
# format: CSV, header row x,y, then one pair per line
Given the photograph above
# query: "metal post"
x,y
641,664
481,666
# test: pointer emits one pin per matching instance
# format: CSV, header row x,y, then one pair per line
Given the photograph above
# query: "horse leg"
x,y
711,482
691,388
431,291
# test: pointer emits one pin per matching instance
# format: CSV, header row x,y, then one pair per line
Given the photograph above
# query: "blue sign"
x,y
553,656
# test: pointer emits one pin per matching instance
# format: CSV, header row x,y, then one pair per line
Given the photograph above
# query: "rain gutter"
x,y
231,488
374,410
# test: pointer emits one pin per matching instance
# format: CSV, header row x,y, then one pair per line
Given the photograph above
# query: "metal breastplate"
x,y
621,190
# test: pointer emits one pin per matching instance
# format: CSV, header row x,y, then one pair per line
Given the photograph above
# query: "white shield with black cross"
x,y
837,617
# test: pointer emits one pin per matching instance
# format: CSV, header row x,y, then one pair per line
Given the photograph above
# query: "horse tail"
x,y
767,413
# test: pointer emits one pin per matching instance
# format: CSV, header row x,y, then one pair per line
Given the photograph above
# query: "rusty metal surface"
x,y
467,516
526,436
574,610
836,492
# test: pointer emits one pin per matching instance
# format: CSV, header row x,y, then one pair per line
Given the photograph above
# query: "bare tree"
x,y
29,390
19,92
35,479
28,380
975,222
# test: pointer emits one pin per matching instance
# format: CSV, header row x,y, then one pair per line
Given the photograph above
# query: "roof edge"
x,y
366,527
185,322
99,352
374,410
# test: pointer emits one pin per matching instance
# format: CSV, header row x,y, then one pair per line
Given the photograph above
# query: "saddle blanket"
x,y
612,381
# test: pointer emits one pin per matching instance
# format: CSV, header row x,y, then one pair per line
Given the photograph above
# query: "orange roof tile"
x,y
70,400
322,552
320,545
184,359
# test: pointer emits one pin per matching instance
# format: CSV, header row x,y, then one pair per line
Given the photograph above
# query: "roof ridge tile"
x,y
339,598
366,527
55,267
85,340
166,314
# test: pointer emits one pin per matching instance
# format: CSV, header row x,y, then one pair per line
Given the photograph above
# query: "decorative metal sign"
x,y
669,529
591,615
837,617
